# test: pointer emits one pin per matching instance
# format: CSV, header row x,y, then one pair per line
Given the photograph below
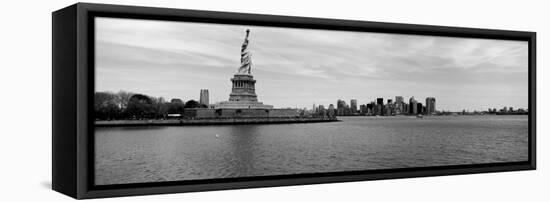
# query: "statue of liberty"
x,y
246,60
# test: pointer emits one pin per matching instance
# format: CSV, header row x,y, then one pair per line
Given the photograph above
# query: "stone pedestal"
x,y
243,94
243,88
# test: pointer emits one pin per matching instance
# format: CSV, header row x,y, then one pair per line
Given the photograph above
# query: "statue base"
x,y
241,105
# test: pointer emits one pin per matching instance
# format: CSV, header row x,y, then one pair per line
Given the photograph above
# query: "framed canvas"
x,y
157,100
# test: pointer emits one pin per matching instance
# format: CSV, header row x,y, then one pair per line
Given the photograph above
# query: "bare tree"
x,y
122,98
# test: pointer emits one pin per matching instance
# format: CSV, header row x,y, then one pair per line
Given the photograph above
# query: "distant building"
x,y
321,107
353,106
380,101
321,110
379,106
370,108
413,107
399,105
331,111
430,105
340,104
204,99
341,107
420,108
399,99
363,109
389,108
176,101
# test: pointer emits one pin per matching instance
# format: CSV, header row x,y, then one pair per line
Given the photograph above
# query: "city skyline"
x,y
176,60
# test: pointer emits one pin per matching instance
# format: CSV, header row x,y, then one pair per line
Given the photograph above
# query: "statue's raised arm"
x,y
246,58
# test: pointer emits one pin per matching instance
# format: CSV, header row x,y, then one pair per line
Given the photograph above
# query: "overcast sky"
x,y
299,67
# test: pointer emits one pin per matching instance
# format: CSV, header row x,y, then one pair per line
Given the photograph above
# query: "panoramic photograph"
x,y
177,101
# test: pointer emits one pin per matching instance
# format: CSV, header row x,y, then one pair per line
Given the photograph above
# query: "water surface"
x,y
174,153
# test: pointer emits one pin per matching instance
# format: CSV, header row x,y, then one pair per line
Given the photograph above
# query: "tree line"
x,y
127,105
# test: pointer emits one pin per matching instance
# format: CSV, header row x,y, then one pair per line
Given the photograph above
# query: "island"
x,y
242,107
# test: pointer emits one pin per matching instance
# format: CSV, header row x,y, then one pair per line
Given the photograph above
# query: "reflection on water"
x,y
153,154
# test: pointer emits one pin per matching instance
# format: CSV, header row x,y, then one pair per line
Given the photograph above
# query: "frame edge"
x,y
64,143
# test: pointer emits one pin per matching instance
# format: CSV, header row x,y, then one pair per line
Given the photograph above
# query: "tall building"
x,y
419,108
399,105
331,111
347,110
380,101
370,108
340,104
389,109
399,99
379,107
430,105
340,107
413,108
353,106
204,97
321,110
321,107
363,109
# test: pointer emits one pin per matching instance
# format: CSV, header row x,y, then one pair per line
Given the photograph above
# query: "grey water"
x,y
174,153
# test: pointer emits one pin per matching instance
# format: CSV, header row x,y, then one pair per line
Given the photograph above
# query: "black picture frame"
x,y
73,91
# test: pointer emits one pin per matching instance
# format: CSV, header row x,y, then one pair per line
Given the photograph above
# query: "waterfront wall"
x,y
214,121
202,113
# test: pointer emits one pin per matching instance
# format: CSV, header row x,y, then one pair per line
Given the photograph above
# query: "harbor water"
x,y
173,153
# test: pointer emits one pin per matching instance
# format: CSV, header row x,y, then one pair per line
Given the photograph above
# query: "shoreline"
x,y
196,122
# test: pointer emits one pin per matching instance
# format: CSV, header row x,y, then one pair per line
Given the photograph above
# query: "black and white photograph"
x,y
275,100
179,101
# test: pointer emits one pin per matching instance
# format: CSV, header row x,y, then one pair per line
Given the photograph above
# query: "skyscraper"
x,y
331,111
204,97
380,101
321,110
389,109
399,99
353,106
399,104
370,108
340,104
363,109
379,106
430,105
340,107
412,106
